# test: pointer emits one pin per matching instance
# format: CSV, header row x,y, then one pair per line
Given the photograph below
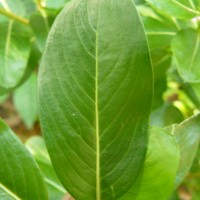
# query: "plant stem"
x,y
13,16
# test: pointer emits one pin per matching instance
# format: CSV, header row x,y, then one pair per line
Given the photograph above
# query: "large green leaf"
x,y
157,178
20,177
15,48
186,50
188,137
38,149
25,101
184,9
95,93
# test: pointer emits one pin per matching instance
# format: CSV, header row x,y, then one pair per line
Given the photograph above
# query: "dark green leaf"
x,y
20,177
95,93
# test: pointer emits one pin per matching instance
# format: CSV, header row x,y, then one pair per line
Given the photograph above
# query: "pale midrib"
x,y
98,187
56,186
11,194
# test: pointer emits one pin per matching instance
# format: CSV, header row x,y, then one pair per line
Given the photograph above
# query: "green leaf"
x,y
20,177
25,101
188,137
31,64
15,48
38,149
3,98
186,50
161,60
94,107
160,29
183,9
165,115
40,27
19,7
52,4
157,178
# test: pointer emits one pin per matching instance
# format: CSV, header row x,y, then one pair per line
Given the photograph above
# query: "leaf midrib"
x,y
10,193
98,197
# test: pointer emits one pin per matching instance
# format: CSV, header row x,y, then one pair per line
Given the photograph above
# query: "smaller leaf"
x,y
188,136
176,8
165,115
157,179
186,51
40,27
20,177
38,149
25,101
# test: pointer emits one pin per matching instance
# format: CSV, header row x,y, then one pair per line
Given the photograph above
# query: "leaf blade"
x,y
96,97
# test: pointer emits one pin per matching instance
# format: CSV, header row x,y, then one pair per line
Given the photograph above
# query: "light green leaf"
x,y
40,27
183,9
3,98
186,50
94,107
188,137
52,4
19,7
38,149
15,48
159,171
25,101
20,177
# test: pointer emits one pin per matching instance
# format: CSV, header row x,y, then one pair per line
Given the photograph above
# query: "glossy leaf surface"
x,y
92,99
186,50
157,178
20,177
188,137
184,9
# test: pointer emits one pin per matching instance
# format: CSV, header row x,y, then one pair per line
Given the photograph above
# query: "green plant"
x,y
107,134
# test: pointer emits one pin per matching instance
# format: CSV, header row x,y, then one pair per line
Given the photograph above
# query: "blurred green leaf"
x,y
186,51
38,149
40,27
159,28
33,61
165,115
3,98
25,101
20,177
52,4
22,8
157,179
15,47
161,60
188,137
183,9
